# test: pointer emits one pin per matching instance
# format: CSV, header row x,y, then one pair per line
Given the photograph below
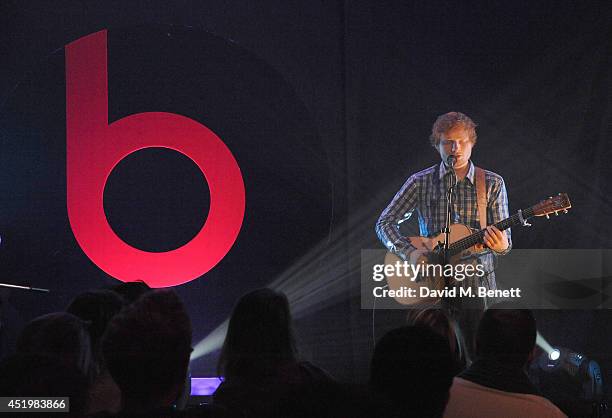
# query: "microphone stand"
x,y
29,288
449,208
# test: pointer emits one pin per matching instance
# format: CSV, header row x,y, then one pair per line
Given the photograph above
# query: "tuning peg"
x,y
547,216
564,210
556,213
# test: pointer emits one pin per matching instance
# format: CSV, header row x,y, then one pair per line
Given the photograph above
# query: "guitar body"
x,y
457,232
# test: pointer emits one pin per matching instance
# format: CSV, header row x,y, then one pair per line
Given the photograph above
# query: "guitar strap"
x,y
481,196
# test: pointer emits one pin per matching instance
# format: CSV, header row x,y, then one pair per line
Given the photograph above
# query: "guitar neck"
x,y
477,237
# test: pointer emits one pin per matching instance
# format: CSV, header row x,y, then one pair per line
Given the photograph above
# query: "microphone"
x,y
451,160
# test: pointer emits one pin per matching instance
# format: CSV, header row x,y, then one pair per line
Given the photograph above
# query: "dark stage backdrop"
x,y
326,107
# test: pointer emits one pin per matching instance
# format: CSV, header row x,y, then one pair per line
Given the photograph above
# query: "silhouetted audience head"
x,y
438,321
413,367
60,335
506,335
44,376
97,307
131,291
259,336
147,348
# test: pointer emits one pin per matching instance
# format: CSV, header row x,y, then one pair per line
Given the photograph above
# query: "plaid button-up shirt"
x,y
425,193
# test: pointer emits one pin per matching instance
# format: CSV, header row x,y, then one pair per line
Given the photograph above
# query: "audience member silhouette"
x,y
147,348
259,361
413,368
131,291
38,375
99,307
496,383
61,335
438,321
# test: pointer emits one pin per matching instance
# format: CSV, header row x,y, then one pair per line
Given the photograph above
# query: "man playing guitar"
x,y
453,134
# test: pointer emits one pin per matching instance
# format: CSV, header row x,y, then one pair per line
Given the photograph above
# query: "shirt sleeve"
x,y
498,210
399,210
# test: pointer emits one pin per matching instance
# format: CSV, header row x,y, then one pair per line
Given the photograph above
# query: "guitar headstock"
x,y
556,204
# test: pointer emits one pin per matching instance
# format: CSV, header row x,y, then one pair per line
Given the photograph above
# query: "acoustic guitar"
x,y
403,276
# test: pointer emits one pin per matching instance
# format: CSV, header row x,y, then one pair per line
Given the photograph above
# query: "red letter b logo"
x,y
94,148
